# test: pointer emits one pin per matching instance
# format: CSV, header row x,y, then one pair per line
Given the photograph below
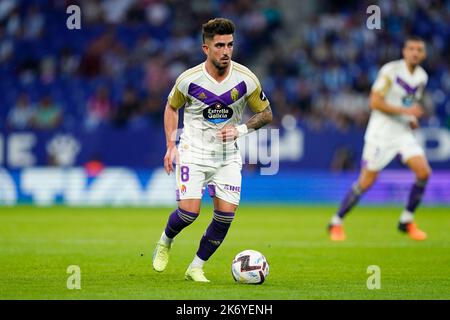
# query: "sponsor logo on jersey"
x,y
217,113
408,100
232,188
183,189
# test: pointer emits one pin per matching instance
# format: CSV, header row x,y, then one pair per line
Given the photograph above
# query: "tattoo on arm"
x,y
260,119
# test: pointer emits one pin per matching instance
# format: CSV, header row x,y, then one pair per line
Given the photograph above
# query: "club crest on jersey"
x,y
217,113
234,94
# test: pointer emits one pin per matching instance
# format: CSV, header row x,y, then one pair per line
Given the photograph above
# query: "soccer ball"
x,y
250,267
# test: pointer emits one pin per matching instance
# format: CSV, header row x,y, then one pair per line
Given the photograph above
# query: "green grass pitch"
x,y
113,248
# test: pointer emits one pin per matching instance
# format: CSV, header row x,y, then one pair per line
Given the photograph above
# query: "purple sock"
x,y
214,235
415,195
178,220
350,200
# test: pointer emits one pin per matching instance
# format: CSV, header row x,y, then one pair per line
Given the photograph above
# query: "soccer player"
x,y
214,94
395,101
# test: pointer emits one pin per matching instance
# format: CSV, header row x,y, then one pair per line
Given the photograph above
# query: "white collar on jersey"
x,y
407,70
214,80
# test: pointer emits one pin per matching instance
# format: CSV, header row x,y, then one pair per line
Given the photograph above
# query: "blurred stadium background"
x,y
81,110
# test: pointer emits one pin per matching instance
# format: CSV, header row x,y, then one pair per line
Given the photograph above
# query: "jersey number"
x,y
184,173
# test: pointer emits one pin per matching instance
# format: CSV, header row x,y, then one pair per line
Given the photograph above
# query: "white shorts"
x,y
223,181
377,155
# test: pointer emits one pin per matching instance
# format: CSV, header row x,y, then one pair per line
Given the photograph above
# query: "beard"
x,y
220,67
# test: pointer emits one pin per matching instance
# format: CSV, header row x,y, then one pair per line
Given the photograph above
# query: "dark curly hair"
x,y
217,26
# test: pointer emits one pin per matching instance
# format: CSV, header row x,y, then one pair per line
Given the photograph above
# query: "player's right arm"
x,y
170,129
175,101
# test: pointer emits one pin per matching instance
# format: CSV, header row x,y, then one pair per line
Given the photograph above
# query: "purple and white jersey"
x,y
209,106
399,87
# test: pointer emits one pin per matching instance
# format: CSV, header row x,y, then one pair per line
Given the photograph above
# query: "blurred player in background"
x,y
214,94
395,101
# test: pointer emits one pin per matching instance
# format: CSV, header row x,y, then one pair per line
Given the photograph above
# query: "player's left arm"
x,y
260,119
259,104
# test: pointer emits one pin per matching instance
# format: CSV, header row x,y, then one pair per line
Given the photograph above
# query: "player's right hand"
x,y
415,110
171,155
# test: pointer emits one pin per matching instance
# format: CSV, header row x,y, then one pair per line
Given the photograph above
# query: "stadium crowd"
x,y
117,70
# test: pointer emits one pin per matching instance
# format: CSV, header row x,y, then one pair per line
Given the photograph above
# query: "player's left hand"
x,y
228,133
